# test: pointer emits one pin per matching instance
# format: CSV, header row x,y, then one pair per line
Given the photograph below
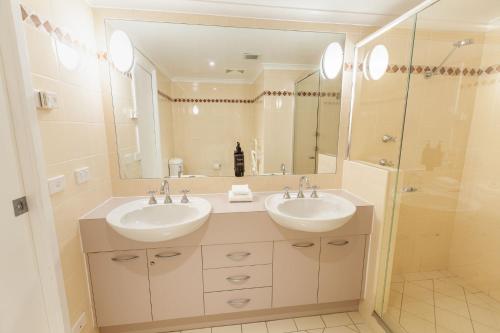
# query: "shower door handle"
x,y
409,189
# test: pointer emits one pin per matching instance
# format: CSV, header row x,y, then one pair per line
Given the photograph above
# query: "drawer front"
x,y
231,278
238,300
232,255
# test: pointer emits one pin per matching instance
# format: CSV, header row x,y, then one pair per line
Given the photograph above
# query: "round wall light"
x,y
377,62
121,51
332,60
68,56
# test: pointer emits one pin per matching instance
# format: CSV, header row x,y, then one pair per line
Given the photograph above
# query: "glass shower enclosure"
x,y
433,118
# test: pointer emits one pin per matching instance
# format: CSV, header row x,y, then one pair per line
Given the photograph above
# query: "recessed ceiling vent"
x,y
250,56
235,71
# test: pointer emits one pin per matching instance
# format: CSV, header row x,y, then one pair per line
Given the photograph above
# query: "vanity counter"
x,y
228,223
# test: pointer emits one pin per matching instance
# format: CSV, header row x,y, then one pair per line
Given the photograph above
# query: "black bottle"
x,y
239,161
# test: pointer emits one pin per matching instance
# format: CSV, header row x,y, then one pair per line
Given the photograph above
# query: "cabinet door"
x,y
295,272
341,268
176,282
120,287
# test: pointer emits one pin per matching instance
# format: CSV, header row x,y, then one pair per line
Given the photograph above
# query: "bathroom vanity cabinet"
x,y
237,262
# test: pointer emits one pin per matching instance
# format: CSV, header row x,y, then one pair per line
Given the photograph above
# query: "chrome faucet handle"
x,y
283,169
184,196
168,199
152,199
314,193
286,195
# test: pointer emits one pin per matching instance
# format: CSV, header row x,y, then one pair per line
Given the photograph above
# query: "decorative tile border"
x,y
250,101
443,71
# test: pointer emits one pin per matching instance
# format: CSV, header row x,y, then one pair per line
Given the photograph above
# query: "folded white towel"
x,y
240,197
241,189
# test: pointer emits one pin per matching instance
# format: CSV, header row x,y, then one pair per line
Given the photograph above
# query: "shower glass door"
x,y
442,272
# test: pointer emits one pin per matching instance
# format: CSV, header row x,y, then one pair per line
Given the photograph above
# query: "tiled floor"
x,y
439,302
332,323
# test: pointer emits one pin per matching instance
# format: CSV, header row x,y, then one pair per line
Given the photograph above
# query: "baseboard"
x,y
233,318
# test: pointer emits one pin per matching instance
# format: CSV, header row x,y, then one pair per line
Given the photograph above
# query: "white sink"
x,y
140,221
326,213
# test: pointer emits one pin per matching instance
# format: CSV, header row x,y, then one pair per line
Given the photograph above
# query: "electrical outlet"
x,y
47,100
56,184
82,175
80,323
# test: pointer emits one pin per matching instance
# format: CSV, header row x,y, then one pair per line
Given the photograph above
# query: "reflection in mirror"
x,y
195,91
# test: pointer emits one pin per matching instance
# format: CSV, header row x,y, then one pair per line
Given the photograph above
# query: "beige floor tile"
x,y
317,330
414,324
337,319
427,284
418,293
254,328
200,330
281,326
453,322
309,323
480,328
356,317
364,328
418,308
449,288
452,304
227,329
484,316
339,329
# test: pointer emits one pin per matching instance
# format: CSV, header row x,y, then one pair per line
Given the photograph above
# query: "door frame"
x,y
21,99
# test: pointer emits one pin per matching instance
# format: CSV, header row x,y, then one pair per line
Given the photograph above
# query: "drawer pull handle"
x,y
237,256
238,278
167,254
339,242
125,257
239,302
303,244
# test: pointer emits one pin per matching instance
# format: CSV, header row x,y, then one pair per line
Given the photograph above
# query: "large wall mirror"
x,y
185,95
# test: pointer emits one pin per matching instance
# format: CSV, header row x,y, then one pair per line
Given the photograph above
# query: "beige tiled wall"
x,y
73,136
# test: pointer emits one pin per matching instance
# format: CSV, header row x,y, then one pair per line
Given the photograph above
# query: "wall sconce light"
x,y
121,51
68,56
376,62
331,61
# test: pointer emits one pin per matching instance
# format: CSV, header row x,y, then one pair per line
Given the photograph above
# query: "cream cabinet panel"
x,y
120,287
341,272
238,300
243,277
295,272
231,255
176,282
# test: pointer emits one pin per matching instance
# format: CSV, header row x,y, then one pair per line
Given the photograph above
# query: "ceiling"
x,y
357,12
184,52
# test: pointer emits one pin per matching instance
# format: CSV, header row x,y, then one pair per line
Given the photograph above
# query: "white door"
x,y
148,122
22,308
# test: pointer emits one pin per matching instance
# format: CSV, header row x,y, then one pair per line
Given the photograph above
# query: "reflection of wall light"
x,y
196,110
331,62
68,56
121,51
279,103
376,62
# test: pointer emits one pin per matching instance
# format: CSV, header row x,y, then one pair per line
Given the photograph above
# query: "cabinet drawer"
x,y
231,278
238,300
341,273
231,255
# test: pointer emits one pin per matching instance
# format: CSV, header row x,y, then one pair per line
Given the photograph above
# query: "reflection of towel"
x,y
241,189
239,197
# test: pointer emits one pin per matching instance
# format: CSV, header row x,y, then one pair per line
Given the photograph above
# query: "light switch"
x,y
57,184
47,100
82,175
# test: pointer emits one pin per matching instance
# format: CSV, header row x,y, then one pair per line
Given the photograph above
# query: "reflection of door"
x,y
148,135
21,301
306,124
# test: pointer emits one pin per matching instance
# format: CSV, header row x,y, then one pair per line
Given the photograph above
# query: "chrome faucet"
x,y
165,190
303,179
184,196
283,169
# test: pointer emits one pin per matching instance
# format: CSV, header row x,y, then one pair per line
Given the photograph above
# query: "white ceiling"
x,y
358,12
183,51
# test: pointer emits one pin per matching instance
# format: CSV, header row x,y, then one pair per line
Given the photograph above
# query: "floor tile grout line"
x,y
468,309
401,303
434,305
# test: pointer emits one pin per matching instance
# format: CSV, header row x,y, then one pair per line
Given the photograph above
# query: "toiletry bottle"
x,y
239,161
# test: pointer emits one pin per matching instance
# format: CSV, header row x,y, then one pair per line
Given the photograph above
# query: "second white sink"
x,y
137,220
326,213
